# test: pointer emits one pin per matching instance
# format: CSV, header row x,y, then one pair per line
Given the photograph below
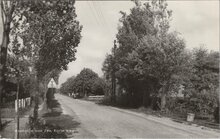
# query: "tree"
x,y
149,59
52,33
48,27
7,9
99,87
67,87
133,27
55,35
204,82
165,60
85,83
205,69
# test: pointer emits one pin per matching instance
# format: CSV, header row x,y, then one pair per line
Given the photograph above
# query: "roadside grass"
x,y
180,118
177,117
8,114
53,123
8,130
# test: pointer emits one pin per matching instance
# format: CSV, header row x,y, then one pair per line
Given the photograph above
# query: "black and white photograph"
x,y
109,69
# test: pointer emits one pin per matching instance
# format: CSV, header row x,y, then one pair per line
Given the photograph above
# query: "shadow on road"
x,y
55,124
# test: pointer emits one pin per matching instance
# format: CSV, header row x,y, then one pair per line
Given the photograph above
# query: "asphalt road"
x,y
108,122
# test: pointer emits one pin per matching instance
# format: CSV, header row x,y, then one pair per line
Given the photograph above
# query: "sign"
x,y
52,84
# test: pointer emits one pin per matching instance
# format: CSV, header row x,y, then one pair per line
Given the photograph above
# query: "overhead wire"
x,y
99,11
93,13
98,16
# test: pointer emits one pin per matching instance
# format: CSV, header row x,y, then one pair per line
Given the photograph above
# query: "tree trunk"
x,y
164,92
163,101
3,59
36,99
146,95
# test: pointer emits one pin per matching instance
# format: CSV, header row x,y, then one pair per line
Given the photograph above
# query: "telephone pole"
x,y
113,73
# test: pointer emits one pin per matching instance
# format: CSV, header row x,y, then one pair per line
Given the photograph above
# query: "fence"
x,y
22,103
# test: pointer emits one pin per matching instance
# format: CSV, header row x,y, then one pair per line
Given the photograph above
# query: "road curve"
x,y
107,122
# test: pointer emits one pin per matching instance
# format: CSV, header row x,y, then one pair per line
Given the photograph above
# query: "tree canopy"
x,y
52,33
85,83
147,54
150,60
43,33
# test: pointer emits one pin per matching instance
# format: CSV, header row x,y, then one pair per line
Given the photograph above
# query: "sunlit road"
x,y
107,122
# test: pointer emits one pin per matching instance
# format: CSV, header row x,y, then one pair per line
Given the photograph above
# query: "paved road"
x,y
105,121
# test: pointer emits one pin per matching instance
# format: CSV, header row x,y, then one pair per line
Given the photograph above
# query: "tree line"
x,y
39,40
86,83
151,64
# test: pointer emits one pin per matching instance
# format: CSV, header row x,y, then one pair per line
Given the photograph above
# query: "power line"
x,y
93,13
97,13
99,10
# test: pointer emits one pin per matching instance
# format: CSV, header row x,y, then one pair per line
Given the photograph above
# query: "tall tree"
x,y
164,60
148,56
7,10
203,90
50,33
85,80
55,35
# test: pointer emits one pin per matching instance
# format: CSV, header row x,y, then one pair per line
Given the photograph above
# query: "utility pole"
x,y
113,73
84,89
16,108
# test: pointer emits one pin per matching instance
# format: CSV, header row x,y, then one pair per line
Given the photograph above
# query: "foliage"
x,y
201,90
66,87
85,83
54,36
152,62
18,71
148,57
84,80
49,33
44,35
204,82
99,87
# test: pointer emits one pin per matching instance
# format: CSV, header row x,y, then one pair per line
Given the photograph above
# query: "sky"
x,y
197,21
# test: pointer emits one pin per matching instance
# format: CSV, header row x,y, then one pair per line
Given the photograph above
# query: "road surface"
x,y
108,122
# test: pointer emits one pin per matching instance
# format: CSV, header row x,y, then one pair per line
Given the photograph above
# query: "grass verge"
x,y
53,123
